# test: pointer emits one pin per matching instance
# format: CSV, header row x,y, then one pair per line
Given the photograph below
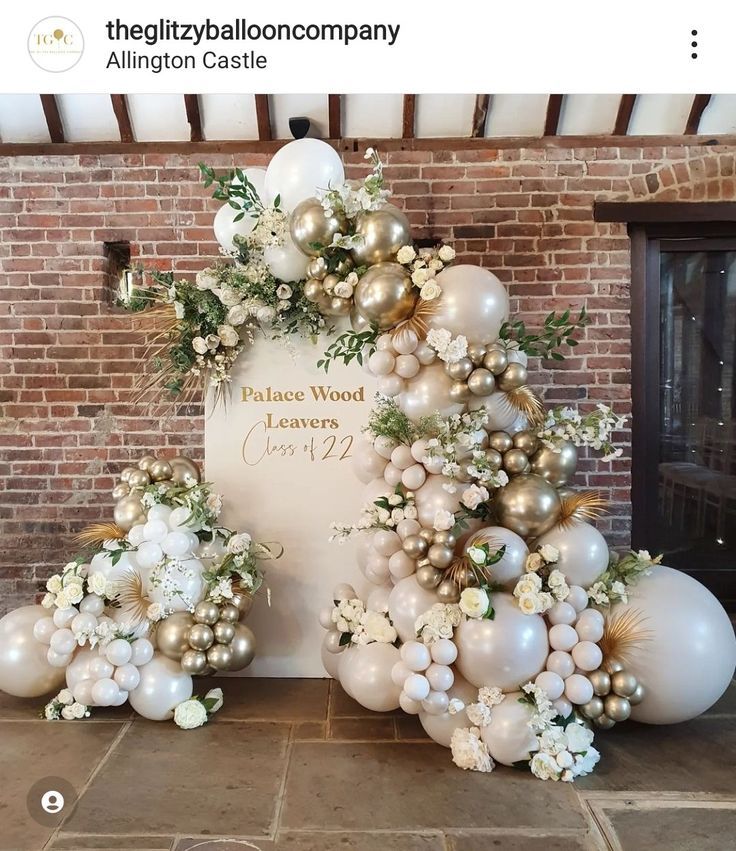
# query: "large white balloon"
x,y
441,727
509,737
507,651
428,393
365,674
285,262
502,415
162,687
24,668
432,497
330,660
102,563
474,303
687,654
406,602
299,169
177,585
583,551
509,568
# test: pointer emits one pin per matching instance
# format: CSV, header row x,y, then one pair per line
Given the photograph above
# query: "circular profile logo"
x,y
50,800
56,44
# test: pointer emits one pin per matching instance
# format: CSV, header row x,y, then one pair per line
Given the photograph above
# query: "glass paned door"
x,y
696,467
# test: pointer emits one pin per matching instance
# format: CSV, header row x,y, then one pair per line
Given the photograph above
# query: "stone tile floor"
x,y
296,765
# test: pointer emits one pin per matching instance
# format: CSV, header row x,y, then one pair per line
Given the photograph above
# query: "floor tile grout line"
x,y
276,819
95,771
594,827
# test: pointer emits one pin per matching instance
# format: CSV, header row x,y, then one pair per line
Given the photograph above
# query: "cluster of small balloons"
x,y
398,357
381,555
616,690
105,675
573,635
425,676
485,369
210,638
321,282
129,509
62,631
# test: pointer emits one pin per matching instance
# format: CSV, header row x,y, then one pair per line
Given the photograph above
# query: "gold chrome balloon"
x,y
481,382
121,490
344,267
194,662
207,612
125,473
184,470
224,632
329,282
459,391
139,479
496,361
201,636
220,656
527,441
160,470
146,462
617,708
459,370
242,648
440,556
637,696
127,511
383,232
623,684
613,666
415,546
444,537
244,602
428,577
313,290
339,306
512,377
501,441
448,592
528,505
230,613
476,353
385,295
603,722
317,268
172,635
309,224
556,467
601,682
427,534
593,708
515,462
358,322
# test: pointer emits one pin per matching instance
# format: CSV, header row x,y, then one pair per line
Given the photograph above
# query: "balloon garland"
x,y
153,599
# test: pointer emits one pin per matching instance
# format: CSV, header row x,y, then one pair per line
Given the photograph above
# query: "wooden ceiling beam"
x,y
480,115
53,118
700,102
122,115
552,119
334,109
263,118
194,117
408,123
623,116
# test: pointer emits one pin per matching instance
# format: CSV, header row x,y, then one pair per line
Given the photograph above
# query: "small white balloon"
x,y
43,629
93,605
587,656
155,530
58,660
82,691
136,536
563,706
590,625
415,655
105,692
405,342
127,677
83,622
391,385
176,544
562,612
118,652
416,687
404,528
400,673
141,652
121,698
332,642
100,668
325,618
436,703
180,517
440,677
401,457
577,597
160,512
400,565
414,477
550,683
63,641
343,592
562,637
381,362
561,663
384,446
386,542
377,569
63,617
411,707
578,689
443,652
407,366
149,554
392,475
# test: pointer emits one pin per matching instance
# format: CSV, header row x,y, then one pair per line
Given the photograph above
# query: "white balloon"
x,y
343,591
43,629
502,415
121,698
79,667
177,585
415,655
687,659
562,637
583,551
428,393
325,618
118,652
436,703
416,686
180,517
83,622
63,641
100,668
411,707
384,446
510,566
155,530
441,727
562,612
63,617
82,692
149,554
365,674
58,660
175,544
400,673
414,477
159,512
141,652
286,262
105,692
443,651
561,663
386,542
578,689
93,605
577,598
440,677
587,656
590,625
127,677
406,602
473,303
378,599
433,496
392,474
226,228
135,536
551,683
509,737
563,706
400,565
102,563
330,661
299,169
391,385
163,686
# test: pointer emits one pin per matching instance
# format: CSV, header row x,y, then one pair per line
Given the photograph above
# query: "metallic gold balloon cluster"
x,y
484,370
434,553
616,691
129,510
211,638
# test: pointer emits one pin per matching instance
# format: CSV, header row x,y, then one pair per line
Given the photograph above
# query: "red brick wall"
x,y
69,358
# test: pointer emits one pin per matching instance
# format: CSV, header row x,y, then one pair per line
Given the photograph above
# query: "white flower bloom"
x,y
216,695
237,315
228,335
50,712
284,292
534,561
67,713
530,583
454,706
443,520
491,696
265,315
476,555
205,280
446,253
65,696
214,503
190,714
530,604
419,277
474,602
230,297
378,628
343,289
478,714
97,584
579,738
473,496
79,710
430,291
200,346
155,612
468,751
410,513
544,766
586,762
405,255
62,600
239,543
549,553
54,584
49,601
643,555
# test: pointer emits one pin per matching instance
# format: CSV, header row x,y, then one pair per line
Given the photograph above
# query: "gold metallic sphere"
x,y
385,295
527,441
515,375
329,282
481,382
415,546
184,470
172,635
494,459
459,392
601,682
160,470
194,662
309,225
440,556
344,267
427,534
603,722
313,290
244,602
224,632
383,232
623,683
501,441
428,577
638,695
444,537
496,361
617,708
317,268
592,709
515,462
230,613
448,592
613,666
556,467
528,505
338,306
219,656
242,648
459,370
201,637
139,479
121,490
146,462
476,353
206,612
358,322
127,511
125,473
466,577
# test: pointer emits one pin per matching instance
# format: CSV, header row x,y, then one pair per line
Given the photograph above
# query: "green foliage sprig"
x,y
557,331
350,346
235,189
388,420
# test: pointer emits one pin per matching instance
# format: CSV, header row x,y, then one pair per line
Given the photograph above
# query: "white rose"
x,y
446,253
199,345
265,315
419,277
49,601
239,543
343,289
534,561
230,297
476,555
545,601
65,697
228,335
67,713
62,600
579,738
54,584
528,584
378,628
237,315
190,714
155,612
544,767
405,255
468,751
284,292
78,710
474,602
212,341
473,496
430,291
549,553
410,513
584,764
49,712
529,604
443,520
97,584
216,695
205,280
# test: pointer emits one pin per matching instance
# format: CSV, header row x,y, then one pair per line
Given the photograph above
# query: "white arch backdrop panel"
x,y
283,468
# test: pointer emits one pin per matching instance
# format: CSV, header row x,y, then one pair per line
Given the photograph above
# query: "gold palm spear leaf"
x,y
457,570
525,401
623,635
98,533
132,596
417,322
585,505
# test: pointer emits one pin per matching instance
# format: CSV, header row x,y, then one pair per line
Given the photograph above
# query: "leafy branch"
x,y
235,189
350,346
388,420
557,331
